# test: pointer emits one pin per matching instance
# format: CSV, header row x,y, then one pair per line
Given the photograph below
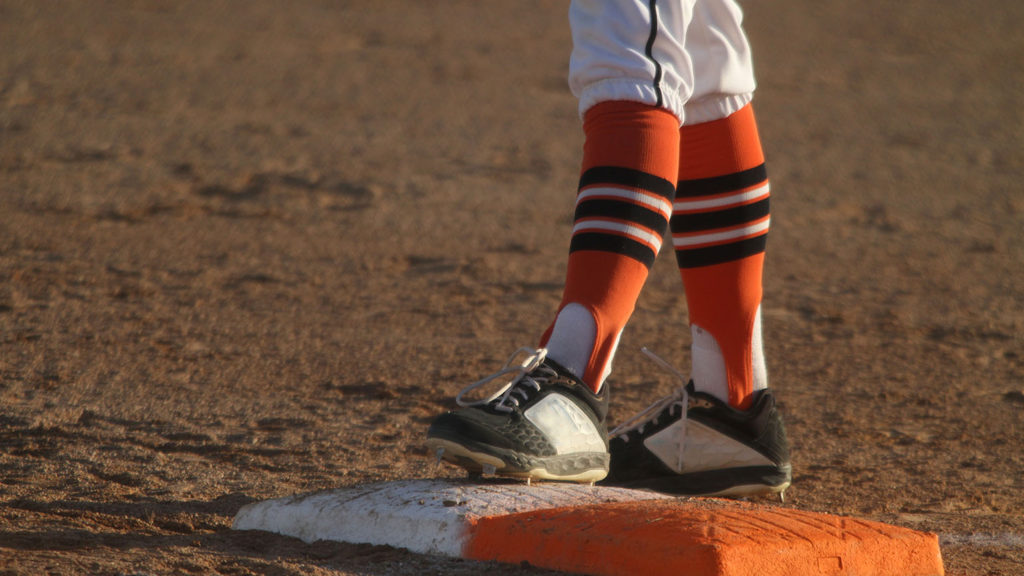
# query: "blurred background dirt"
x,y
249,249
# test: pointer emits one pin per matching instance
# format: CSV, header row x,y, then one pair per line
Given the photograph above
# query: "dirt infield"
x,y
250,248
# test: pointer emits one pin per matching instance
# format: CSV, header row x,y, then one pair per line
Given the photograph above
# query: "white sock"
x,y
708,364
572,339
757,355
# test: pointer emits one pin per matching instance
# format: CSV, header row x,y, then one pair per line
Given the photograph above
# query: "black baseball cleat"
x,y
544,424
693,444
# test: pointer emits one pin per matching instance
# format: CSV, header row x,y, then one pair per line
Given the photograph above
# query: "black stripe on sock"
x,y
623,211
615,244
616,176
712,255
722,184
735,216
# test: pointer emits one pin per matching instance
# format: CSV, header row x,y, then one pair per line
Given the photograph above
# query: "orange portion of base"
x,y
703,538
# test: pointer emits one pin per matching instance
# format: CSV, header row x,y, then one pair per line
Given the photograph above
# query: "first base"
x,y
598,530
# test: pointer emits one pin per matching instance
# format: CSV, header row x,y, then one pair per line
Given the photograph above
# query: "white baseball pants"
x,y
688,56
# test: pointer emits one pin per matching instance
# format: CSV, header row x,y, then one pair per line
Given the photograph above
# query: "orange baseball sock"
x,y
624,202
719,229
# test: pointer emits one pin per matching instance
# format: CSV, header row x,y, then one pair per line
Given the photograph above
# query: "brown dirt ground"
x,y
250,249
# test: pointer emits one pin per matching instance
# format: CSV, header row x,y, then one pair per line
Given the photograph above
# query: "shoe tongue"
x,y
565,374
559,369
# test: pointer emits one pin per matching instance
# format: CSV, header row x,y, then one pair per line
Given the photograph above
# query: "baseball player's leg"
x,y
719,231
631,74
721,433
622,212
720,217
632,78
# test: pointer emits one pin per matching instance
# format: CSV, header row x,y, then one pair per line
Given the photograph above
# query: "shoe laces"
x,y
679,398
529,374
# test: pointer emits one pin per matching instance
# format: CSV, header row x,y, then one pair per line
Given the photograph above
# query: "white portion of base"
x,y
425,516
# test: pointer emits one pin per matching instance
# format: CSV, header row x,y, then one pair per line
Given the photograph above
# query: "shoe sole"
x,y
478,462
733,483
745,491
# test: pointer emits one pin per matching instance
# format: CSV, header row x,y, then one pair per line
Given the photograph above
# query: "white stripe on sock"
x,y
740,198
752,230
655,202
636,232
